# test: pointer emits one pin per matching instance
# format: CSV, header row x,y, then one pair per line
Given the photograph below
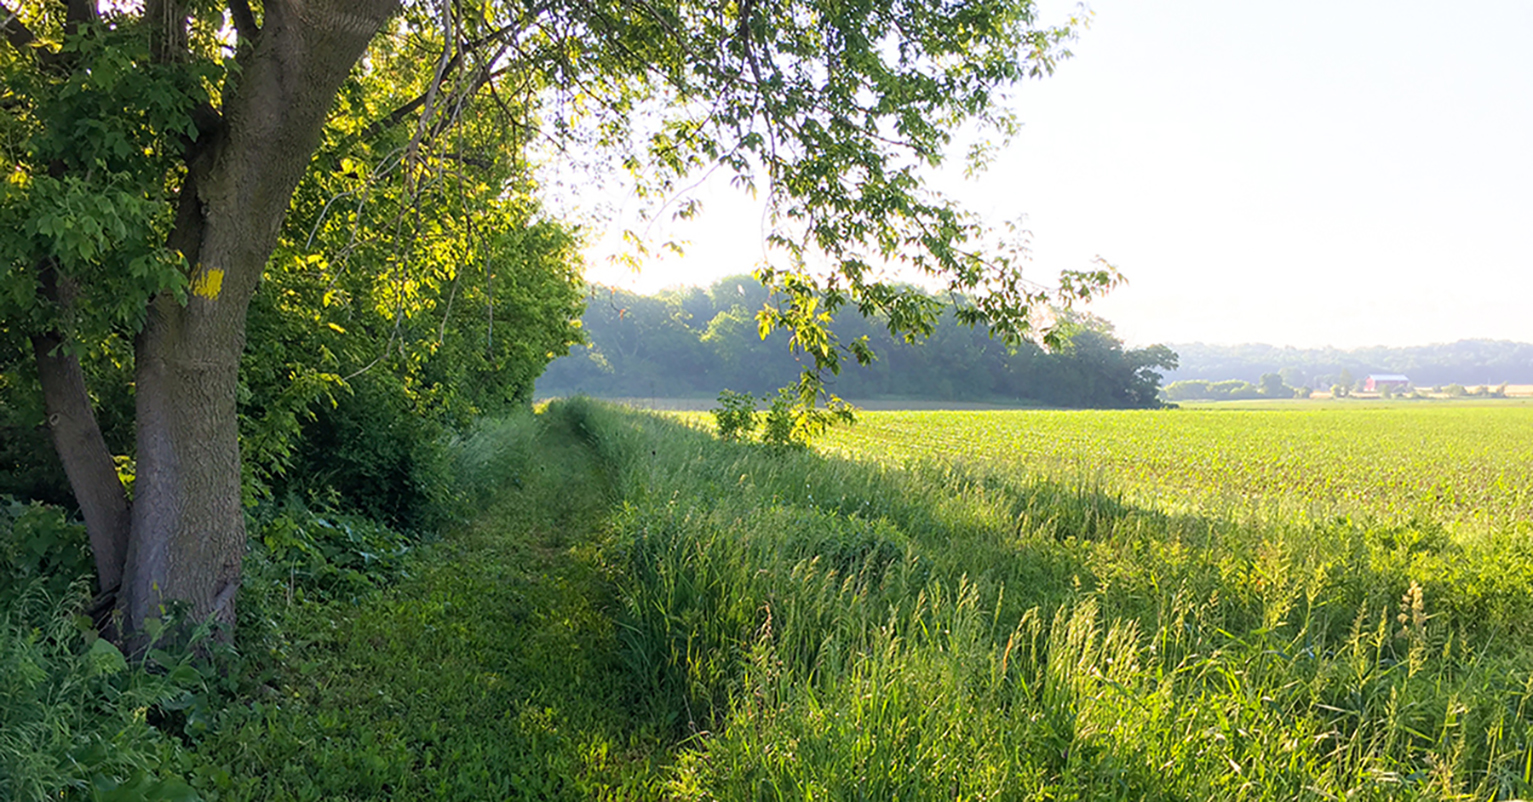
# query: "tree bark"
x,y
188,528
87,461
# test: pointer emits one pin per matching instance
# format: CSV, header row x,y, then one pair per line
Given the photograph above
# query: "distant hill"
x,y
1467,362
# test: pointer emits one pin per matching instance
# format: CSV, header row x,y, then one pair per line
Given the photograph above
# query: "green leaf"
x,y
105,659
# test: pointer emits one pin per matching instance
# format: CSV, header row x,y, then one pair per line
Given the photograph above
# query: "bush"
x,y
735,417
300,553
376,453
781,421
40,549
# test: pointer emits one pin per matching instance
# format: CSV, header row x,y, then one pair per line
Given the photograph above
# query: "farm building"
x,y
1378,381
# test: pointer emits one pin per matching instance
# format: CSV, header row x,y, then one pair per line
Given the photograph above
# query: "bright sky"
x,y
1308,173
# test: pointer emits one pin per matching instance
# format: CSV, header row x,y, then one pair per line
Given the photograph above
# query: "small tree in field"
x,y
735,417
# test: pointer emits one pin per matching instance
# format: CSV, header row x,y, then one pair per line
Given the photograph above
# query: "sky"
x,y
1339,173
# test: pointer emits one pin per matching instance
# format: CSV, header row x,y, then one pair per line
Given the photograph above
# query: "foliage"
x,y
397,309
363,354
780,421
323,555
41,551
645,611
1272,385
819,627
1203,390
128,131
84,157
692,341
735,417
73,706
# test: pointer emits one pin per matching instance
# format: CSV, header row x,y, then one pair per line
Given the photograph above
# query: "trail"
x,y
489,673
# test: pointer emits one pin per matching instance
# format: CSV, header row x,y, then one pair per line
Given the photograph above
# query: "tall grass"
x,y
73,709
814,628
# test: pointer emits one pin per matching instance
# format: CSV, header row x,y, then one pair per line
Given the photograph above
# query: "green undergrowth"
x,y
633,609
488,671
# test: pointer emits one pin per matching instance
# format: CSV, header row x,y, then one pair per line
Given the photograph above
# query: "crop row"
x,y
1436,463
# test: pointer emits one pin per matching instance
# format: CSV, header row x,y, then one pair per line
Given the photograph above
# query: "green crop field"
x,y
1281,602
1450,464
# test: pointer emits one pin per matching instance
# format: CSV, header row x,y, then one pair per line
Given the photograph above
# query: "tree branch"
x,y
80,12
244,20
16,32
167,29
398,115
19,36
78,441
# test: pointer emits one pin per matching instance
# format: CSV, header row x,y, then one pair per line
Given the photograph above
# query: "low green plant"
x,y
781,427
816,628
735,417
40,548
79,720
323,554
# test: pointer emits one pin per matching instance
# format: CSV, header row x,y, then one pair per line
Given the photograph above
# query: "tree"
x,y
151,160
1271,384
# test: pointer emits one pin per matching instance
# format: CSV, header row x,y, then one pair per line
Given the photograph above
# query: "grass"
x,y
944,628
1445,463
489,673
936,611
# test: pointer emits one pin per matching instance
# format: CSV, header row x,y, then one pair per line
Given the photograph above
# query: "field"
x,y
1445,463
1307,602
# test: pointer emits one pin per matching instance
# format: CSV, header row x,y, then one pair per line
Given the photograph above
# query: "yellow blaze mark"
x,y
208,284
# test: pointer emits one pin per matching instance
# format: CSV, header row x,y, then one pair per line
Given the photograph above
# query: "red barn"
x,y
1378,381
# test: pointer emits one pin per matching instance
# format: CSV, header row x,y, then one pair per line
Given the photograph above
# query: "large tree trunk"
x,y
188,535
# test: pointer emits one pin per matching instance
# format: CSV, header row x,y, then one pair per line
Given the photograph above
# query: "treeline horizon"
x,y
694,342
1468,362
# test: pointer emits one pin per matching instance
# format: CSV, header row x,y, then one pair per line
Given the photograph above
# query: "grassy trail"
x,y
641,611
486,674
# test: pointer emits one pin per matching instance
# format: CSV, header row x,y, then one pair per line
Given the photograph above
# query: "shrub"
x,y
735,417
323,554
40,548
781,421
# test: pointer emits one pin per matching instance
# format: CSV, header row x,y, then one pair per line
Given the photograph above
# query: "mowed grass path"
x,y
1445,463
488,673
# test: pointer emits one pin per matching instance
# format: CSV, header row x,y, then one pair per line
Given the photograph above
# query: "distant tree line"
x,y
1468,362
695,342
1271,385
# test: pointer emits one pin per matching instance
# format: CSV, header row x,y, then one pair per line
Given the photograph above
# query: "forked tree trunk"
x,y
188,530
86,459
